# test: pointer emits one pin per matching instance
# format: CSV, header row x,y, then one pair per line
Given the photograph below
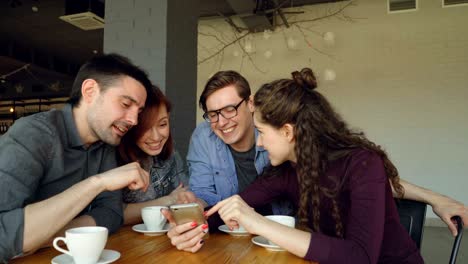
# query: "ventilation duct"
x,y
449,3
254,22
87,15
397,6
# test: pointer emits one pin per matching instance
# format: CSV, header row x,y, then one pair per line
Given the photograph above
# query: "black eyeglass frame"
x,y
219,112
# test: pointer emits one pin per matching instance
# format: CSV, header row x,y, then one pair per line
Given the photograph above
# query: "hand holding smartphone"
x,y
185,213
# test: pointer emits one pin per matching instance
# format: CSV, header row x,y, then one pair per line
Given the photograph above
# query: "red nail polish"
x,y
204,226
194,224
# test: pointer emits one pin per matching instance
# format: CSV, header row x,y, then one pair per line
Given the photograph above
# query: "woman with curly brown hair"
x,y
338,180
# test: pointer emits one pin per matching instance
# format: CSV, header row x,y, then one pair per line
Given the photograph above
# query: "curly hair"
x,y
320,133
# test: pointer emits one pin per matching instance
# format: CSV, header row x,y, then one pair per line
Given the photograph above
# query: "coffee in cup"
x,y
153,218
85,244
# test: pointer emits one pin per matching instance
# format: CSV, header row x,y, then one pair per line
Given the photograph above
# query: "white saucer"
x,y
107,256
263,242
141,228
225,228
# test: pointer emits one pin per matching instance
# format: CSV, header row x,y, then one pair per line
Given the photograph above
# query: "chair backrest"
x,y
412,217
456,243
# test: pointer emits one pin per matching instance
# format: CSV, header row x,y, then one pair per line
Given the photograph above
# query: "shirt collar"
x,y
74,139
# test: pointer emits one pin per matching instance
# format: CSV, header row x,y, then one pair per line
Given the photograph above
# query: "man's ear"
x,y
288,131
89,90
250,104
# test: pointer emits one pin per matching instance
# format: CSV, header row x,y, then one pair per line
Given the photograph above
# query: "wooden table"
x,y
219,248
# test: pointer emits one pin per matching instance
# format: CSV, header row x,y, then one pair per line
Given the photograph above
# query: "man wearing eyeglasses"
x,y
223,159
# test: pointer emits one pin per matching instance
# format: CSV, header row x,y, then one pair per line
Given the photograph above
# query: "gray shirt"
x,y
245,167
40,156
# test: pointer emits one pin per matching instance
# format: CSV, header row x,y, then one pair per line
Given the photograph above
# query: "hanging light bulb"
x,y
291,42
329,75
267,34
329,38
12,109
248,46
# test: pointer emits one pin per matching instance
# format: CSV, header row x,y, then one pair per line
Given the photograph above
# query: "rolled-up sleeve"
x,y
106,209
21,169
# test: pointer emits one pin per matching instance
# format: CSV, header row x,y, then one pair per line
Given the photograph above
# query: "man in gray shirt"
x,y
58,168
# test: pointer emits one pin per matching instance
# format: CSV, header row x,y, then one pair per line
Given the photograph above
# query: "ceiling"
x,y
31,32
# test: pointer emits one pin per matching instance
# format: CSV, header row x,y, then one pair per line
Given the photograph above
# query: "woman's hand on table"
x,y
186,237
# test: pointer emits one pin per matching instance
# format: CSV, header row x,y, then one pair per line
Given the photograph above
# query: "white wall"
x,y
402,78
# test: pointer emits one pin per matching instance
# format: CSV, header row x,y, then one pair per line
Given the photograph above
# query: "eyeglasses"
x,y
227,112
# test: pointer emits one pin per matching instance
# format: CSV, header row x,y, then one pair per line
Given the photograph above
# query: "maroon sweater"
x,y
372,229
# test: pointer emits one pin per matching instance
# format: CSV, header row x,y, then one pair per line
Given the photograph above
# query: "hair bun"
x,y
305,78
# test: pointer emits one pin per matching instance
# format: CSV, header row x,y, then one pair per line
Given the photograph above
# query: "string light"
x,y
12,109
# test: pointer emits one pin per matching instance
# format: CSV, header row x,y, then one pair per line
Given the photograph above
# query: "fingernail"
x,y
202,241
204,226
194,224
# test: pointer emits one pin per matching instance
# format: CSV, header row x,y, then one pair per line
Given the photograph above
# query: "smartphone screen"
x,y
184,213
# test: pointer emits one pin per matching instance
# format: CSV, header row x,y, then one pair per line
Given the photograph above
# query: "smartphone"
x,y
185,213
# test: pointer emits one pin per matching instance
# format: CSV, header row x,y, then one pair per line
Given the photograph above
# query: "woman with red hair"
x,y
150,143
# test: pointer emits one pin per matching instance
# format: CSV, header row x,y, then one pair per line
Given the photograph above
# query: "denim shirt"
x,y
165,176
212,169
211,165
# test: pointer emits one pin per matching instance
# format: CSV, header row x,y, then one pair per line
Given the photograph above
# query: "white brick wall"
x,y
138,28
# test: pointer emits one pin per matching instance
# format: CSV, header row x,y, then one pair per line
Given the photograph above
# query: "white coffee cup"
x,y
282,219
153,218
85,244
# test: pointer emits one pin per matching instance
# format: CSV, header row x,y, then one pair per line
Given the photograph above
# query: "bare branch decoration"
x,y
239,34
